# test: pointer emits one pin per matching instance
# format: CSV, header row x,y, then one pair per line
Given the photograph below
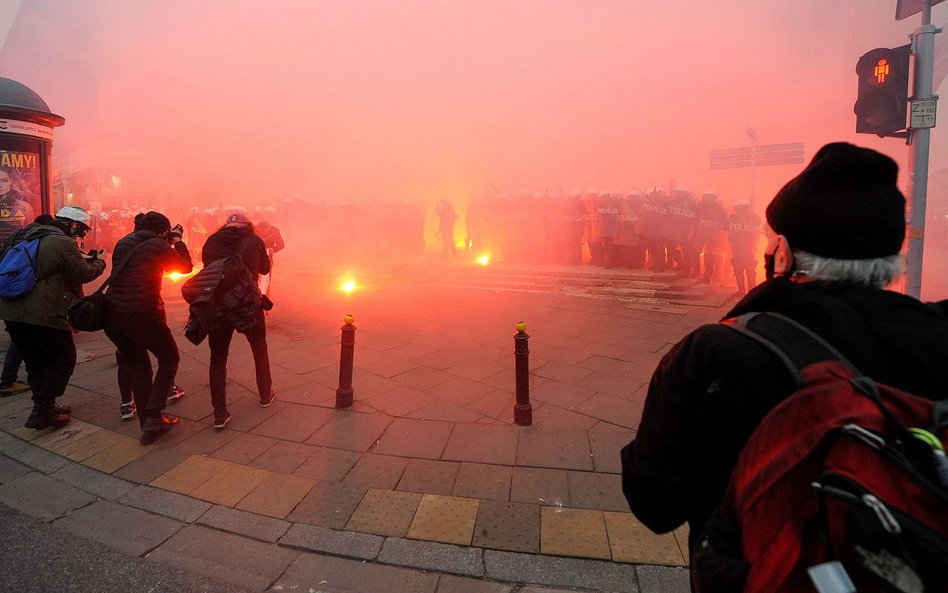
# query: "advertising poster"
x,y
19,190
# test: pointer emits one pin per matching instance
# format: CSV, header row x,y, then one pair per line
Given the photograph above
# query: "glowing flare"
x,y
483,259
177,276
348,286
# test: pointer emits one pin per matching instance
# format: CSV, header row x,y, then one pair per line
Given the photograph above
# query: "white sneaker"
x,y
175,394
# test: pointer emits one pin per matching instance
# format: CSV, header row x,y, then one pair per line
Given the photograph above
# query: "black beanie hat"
x,y
153,221
844,205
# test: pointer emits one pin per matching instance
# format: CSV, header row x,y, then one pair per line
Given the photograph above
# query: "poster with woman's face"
x,y
19,190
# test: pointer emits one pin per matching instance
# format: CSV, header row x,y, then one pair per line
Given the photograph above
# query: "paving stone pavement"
x,y
425,481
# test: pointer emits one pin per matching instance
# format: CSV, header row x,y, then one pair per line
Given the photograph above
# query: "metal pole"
x,y
919,147
753,163
523,411
344,392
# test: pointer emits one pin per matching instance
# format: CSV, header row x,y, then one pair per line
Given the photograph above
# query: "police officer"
x,y
650,227
710,237
629,250
744,233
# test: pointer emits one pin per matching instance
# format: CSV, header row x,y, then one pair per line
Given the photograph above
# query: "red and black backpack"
x,y
842,487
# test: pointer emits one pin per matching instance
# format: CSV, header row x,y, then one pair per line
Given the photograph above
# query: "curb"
x,y
103,508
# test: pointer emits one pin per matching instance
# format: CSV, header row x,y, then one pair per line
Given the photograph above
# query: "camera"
x,y
176,233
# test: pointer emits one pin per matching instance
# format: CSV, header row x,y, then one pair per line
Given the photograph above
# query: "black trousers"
x,y
135,336
11,365
219,340
50,357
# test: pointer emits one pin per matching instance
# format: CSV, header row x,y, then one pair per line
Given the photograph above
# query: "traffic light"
x,y
883,90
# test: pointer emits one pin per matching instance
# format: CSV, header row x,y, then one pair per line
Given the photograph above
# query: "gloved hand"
x,y
177,231
93,254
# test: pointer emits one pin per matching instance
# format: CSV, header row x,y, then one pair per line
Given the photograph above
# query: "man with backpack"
x,y
12,360
237,306
836,232
36,320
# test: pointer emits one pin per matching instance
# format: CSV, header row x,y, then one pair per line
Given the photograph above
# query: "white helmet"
x,y
75,214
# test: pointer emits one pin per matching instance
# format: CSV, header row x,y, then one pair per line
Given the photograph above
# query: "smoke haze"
x,y
250,103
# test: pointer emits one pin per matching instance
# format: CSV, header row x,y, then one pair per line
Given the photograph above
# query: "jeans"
x,y
219,340
50,357
135,336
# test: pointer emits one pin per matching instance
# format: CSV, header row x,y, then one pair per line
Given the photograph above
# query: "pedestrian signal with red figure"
x,y
842,487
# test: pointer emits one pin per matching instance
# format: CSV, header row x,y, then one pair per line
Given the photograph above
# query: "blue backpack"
x,y
17,273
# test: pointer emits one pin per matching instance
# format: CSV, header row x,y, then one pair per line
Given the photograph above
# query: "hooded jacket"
x,y
225,243
137,286
711,390
60,270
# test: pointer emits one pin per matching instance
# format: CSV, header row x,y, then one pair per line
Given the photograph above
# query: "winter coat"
x,y
225,243
61,270
713,388
136,289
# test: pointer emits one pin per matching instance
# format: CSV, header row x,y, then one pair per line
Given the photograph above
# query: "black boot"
x,y
153,427
45,416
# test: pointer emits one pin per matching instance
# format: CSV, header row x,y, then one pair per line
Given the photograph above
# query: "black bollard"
x,y
523,411
344,392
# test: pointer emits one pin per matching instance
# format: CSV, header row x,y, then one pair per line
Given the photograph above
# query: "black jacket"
x,y
713,388
225,243
136,289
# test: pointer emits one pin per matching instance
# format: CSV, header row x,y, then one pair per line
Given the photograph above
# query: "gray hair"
x,y
876,273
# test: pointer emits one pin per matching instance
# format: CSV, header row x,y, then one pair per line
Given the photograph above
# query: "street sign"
x,y
923,113
766,155
906,8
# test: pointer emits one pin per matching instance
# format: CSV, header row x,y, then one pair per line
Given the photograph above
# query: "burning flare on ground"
x,y
347,284
483,259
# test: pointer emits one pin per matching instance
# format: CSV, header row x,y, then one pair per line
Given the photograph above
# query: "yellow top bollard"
x,y
521,326
348,319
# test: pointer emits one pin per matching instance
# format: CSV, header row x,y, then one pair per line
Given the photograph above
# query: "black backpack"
x,y
223,291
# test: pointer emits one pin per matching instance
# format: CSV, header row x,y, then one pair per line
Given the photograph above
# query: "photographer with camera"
x,y
37,321
135,319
